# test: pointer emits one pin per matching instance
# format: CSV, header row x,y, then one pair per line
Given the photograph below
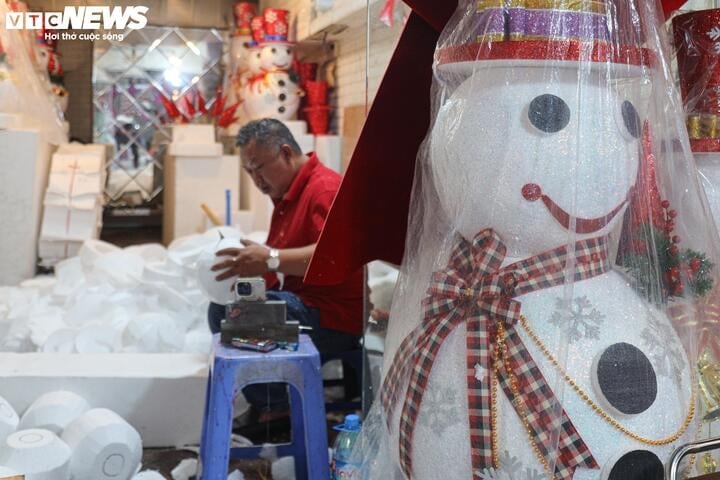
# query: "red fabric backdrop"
x,y
368,219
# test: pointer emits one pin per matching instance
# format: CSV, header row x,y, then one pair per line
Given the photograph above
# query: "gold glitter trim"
x,y
590,6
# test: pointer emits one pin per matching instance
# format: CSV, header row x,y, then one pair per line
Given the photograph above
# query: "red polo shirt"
x,y
297,220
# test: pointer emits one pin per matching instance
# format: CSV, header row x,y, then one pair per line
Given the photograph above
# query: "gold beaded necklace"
x,y
596,408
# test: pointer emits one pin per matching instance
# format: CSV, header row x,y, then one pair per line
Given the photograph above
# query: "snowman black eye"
x,y
631,119
258,55
549,113
274,50
288,51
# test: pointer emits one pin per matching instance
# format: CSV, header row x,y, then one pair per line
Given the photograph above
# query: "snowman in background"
x,y
534,152
241,43
274,92
9,95
49,61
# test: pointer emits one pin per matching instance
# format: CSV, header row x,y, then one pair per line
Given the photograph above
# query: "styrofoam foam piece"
x,y
54,411
60,341
43,322
195,149
38,454
218,292
236,475
185,250
154,332
329,151
104,446
44,283
283,468
198,341
68,223
7,472
149,475
185,469
306,143
58,249
71,184
92,250
96,149
167,273
98,339
150,252
120,268
9,420
203,134
75,162
296,127
257,237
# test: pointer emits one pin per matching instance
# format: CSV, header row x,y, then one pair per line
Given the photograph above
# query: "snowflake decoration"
x,y
281,29
442,410
480,373
510,469
666,353
714,35
580,318
271,16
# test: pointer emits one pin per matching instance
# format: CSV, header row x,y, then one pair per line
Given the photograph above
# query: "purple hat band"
x,y
523,23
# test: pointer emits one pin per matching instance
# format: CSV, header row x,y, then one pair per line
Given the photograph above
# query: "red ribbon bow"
x,y
474,289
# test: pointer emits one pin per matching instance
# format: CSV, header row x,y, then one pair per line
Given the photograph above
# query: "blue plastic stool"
x,y
233,369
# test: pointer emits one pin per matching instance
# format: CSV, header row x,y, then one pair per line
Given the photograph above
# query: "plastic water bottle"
x,y
347,464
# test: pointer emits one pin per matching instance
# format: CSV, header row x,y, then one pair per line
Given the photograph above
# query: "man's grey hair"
x,y
267,132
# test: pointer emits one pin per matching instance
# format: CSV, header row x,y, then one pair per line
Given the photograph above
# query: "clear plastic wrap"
x,y
547,319
25,87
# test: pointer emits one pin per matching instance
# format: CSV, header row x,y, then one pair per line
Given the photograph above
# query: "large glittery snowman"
x,y
272,92
517,348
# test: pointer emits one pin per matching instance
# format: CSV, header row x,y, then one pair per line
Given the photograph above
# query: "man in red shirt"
x,y
302,190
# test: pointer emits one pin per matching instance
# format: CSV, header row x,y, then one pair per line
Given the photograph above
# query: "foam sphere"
x,y
104,446
9,420
38,453
218,292
54,411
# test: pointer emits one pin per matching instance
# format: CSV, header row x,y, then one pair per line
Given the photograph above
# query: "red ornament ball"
x,y
674,250
676,239
672,214
531,192
695,264
665,204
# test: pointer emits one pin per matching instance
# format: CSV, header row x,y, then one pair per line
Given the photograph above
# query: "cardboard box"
x,y
195,149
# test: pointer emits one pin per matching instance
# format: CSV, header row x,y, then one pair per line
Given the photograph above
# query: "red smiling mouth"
x,y
532,192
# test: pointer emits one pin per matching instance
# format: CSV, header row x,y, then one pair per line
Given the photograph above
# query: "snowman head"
x,y
254,61
276,56
543,154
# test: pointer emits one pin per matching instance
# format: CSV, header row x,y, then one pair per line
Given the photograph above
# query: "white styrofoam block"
x,y
149,475
185,469
160,395
164,272
59,249
104,446
283,468
95,149
198,180
9,420
202,134
73,184
39,454
63,223
306,143
68,163
6,472
195,149
296,127
27,156
9,121
91,251
54,411
329,151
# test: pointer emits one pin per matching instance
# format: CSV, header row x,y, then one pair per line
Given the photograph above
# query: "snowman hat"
x,y
243,12
257,27
277,26
563,33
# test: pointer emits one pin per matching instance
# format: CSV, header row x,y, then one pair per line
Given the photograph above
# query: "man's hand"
x,y
250,261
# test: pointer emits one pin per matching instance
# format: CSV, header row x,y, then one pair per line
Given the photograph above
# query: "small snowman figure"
x,y
242,43
517,349
274,91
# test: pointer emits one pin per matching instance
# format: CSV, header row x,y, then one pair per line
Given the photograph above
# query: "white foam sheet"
x,y
54,411
9,420
38,454
283,468
104,446
6,472
186,469
149,475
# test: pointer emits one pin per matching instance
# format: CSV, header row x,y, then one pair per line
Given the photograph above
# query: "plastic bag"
x,y
545,322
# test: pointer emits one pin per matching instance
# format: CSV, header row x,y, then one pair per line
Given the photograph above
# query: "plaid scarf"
x,y
475,290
